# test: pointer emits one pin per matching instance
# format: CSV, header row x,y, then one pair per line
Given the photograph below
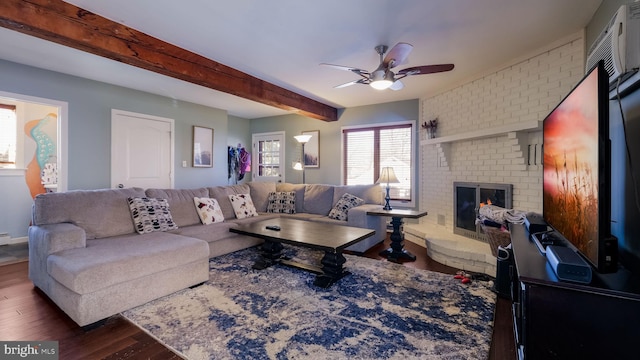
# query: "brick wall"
x,y
522,92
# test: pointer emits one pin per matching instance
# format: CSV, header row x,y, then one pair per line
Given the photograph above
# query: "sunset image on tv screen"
x,y
571,167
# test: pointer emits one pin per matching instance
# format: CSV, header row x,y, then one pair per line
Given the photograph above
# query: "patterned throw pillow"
x,y
243,206
346,202
208,210
282,202
150,214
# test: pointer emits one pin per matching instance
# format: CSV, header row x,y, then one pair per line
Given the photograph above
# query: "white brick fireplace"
x,y
489,131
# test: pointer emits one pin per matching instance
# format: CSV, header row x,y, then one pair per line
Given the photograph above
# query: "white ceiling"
x,y
284,41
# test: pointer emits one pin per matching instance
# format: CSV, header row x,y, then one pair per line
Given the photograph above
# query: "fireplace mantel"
x,y
517,131
525,126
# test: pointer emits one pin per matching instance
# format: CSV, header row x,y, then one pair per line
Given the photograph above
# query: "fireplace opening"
x,y
467,199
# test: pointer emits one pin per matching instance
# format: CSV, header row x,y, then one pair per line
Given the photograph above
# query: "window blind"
x,y
8,132
367,150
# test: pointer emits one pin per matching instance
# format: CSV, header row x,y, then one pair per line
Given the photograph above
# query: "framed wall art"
x,y
202,147
312,149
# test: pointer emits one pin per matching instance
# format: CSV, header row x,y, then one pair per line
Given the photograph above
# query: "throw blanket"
x,y
501,215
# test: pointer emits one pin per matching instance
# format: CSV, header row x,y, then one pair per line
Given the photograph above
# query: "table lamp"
x,y
387,176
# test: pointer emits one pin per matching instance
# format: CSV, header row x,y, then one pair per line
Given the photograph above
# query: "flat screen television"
x,y
576,168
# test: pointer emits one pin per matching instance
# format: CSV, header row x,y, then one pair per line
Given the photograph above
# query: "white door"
x,y
141,150
268,159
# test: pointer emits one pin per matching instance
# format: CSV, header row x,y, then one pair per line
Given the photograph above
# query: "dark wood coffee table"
x,y
332,239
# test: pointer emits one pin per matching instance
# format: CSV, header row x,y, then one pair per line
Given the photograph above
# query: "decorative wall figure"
x,y
239,163
41,170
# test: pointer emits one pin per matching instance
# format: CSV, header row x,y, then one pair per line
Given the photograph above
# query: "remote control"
x,y
273,227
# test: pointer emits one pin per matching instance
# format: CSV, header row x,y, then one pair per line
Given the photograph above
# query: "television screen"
x,y
575,200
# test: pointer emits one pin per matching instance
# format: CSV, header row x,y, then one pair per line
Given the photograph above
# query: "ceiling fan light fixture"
x,y
381,79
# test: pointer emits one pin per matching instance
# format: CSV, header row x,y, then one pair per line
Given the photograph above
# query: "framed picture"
x,y
202,147
312,149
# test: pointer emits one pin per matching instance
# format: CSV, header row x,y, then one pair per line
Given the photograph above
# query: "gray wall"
x,y
89,138
330,136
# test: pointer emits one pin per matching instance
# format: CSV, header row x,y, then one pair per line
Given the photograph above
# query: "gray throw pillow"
x,y
318,199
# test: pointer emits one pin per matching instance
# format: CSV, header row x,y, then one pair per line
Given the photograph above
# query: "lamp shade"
x,y
297,165
302,138
381,80
387,176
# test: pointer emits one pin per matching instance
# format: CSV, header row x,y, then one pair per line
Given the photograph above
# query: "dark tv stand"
x,y
562,320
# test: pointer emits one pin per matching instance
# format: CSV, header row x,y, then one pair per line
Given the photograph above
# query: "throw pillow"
x,y
151,214
243,206
282,202
208,210
346,202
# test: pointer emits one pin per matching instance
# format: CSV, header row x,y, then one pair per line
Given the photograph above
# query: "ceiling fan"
x,y
382,77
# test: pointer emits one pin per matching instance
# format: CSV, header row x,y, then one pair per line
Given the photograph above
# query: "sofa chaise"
x,y
92,256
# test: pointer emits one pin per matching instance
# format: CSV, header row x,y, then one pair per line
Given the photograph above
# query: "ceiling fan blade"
x,y
397,55
347,68
360,81
397,85
426,69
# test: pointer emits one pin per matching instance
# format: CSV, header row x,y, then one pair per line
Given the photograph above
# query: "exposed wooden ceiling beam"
x,y
63,23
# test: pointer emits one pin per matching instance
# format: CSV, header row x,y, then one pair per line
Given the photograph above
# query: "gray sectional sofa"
x,y
85,252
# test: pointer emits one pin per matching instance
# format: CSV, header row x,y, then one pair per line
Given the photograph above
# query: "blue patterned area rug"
x,y
381,310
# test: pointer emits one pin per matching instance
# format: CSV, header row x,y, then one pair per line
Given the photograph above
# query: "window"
x,y
8,135
368,149
268,157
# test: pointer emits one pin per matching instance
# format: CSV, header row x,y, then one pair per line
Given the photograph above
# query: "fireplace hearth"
x,y
467,199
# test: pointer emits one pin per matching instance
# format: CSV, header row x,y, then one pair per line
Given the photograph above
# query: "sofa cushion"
x,y
101,213
51,238
318,199
151,214
298,189
371,194
208,210
260,194
221,193
111,261
181,203
282,202
243,206
211,233
341,208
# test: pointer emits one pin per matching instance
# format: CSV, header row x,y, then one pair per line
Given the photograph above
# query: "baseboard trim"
x,y
5,239
18,240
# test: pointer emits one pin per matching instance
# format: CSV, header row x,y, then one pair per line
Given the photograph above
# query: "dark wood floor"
x,y
26,314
